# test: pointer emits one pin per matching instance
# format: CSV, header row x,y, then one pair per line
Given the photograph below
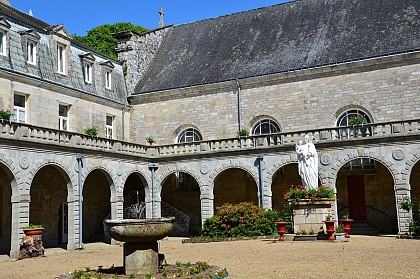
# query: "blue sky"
x,y
80,16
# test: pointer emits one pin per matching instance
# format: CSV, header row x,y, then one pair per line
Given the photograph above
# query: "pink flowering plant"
x,y
297,193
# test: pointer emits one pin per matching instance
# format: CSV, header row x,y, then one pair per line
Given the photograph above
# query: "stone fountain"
x,y
140,238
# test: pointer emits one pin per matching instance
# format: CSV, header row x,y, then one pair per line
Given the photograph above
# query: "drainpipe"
x,y
260,158
153,167
79,158
239,106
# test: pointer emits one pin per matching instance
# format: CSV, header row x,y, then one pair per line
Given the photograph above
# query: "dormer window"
x,y
107,68
3,41
88,72
4,36
31,48
108,79
87,65
61,59
30,39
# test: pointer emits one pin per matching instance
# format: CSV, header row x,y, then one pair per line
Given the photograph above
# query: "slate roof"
x,y
282,37
46,70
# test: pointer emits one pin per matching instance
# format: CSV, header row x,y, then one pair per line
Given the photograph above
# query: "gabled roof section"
x,y
283,37
58,29
108,64
31,34
88,57
4,23
8,11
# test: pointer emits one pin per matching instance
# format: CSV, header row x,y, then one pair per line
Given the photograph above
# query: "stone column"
x,y
207,206
20,218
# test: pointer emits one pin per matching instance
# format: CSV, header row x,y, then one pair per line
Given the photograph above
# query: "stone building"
x,y
304,67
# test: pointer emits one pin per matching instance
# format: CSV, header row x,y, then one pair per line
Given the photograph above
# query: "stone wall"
x,y
309,101
42,109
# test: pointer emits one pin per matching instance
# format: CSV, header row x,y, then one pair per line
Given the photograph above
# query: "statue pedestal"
x,y
309,215
141,258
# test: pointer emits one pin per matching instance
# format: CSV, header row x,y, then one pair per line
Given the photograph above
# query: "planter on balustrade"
x,y
309,215
347,226
330,228
281,229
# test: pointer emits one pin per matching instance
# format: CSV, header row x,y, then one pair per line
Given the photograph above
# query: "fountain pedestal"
x,y
141,258
140,236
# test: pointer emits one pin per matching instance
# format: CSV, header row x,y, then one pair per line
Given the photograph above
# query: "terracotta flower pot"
x,y
347,228
281,229
36,231
330,228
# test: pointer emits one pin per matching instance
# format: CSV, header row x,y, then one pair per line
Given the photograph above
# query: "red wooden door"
x,y
357,200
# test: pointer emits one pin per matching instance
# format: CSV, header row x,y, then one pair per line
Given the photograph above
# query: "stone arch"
x,y
276,166
52,192
12,173
108,174
231,165
146,178
63,169
349,156
409,165
165,174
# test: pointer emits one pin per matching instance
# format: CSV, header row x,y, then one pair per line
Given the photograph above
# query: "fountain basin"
x,y
139,230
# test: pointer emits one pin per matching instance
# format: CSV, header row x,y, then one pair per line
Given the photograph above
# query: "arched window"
x,y
189,135
266,126
356,118
353,117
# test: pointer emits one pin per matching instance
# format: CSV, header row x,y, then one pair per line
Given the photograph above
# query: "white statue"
x,y
307,163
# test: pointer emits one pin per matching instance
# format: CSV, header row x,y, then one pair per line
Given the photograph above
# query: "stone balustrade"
x,y
344,135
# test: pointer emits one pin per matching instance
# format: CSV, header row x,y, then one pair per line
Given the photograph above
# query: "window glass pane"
x,y
189,135
2,42
109,120
63,110
265,127
19,101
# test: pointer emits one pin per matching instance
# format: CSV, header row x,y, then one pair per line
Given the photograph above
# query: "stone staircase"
x,y
185,223
363,228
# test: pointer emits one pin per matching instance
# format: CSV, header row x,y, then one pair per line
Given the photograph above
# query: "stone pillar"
x,y
207,206
141,258
71,241
20,218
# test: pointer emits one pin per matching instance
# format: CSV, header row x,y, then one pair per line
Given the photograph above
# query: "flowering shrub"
x,y
297,193
5,114
359,119
243,219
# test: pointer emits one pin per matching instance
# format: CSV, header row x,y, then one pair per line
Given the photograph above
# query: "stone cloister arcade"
x,y
39,180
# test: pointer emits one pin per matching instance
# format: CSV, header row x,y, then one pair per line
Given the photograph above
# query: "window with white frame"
x,y
108,79
109,127
189,135
355,118
31,49
3,42
266,126
88,72
63,116
61,58
19,108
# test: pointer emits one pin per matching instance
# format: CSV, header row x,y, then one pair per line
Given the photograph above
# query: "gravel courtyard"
x,y
361,257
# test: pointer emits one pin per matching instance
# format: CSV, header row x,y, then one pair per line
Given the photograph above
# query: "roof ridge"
x,y
23,17
236,13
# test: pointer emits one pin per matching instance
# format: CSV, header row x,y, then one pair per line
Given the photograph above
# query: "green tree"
x,y
100,38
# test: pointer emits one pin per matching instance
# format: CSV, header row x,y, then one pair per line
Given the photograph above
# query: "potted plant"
x,y
346,223
281,229
243,133
5,114
91,131
358,120
150,140
33,230
339,232
329,223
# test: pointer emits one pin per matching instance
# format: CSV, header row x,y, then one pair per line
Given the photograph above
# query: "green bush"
x,y
243,219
